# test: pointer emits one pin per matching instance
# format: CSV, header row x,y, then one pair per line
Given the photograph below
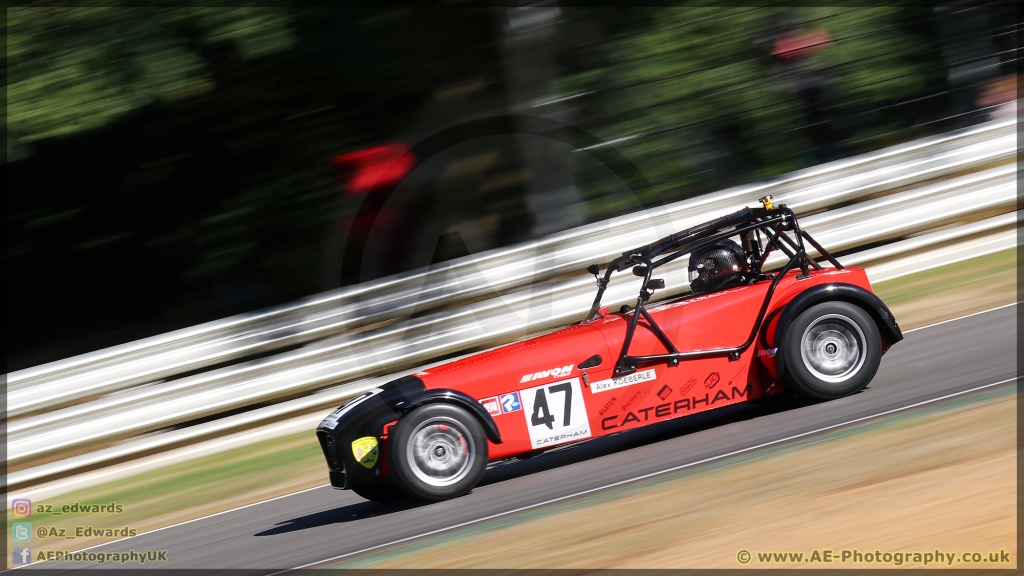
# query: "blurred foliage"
x,y
75,69
171,166
700,102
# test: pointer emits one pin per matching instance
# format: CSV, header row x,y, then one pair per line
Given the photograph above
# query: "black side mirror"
x,y
656,284
593,269
640,271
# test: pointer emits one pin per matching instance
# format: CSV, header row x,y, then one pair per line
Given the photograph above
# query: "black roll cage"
x,y
749,224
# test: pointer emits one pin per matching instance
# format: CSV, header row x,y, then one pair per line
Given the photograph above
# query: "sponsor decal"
x,y
711,380
555,413
693,403
735,376
559,438
510,402
607,405
769,352
553,373
665,392
633,399
628,380
686,387
366,451
492,405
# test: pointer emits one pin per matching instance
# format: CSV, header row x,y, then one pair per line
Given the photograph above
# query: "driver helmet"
x,y
717,266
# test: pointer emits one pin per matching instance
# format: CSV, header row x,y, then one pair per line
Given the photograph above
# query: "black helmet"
x,y
717,266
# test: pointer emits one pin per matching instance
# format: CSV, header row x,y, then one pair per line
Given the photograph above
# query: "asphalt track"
x,y
319,526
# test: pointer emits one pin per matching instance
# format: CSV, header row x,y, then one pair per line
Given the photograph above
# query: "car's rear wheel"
x,y
382,493
831,350
439,452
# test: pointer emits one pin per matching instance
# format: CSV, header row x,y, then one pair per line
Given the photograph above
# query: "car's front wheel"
x,y
831,350
439,451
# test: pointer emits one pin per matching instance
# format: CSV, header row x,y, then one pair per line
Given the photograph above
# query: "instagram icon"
x,y
21,508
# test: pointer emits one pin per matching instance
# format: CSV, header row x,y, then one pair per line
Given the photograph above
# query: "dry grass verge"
x,y
943,479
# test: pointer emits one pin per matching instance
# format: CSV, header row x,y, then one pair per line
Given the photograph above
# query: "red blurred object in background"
x,y
800,44
375,167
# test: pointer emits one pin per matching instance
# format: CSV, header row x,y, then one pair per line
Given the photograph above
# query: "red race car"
x,y
740,335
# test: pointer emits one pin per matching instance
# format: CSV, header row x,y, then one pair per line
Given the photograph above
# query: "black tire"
x,y
831,350
382,493
438,451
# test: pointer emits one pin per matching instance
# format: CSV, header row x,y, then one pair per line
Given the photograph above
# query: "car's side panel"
x,y
717,320
537,395
658,391
512,382
671,392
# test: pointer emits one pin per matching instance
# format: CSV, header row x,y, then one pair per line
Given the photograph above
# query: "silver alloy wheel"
x,y
440,451
833,348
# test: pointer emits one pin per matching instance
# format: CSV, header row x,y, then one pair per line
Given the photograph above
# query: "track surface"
x,y
320,524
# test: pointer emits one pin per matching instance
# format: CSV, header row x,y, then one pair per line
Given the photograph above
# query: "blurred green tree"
x,y
71,69
700,98
169,166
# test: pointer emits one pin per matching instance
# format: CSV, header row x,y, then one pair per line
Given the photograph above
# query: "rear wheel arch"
x,y
836,292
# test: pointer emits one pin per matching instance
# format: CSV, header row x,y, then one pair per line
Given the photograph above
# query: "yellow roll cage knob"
x,y
766,201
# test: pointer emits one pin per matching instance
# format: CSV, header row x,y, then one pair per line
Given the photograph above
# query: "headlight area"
x,y
335,462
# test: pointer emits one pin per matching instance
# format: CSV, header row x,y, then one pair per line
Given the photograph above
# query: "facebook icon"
x,y
21,554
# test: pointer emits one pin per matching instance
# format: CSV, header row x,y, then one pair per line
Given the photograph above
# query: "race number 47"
x,y
541,411
555,413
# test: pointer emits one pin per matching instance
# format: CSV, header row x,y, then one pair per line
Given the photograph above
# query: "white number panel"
x,y
555,413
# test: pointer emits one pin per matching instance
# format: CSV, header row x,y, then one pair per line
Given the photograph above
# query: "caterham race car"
x,y
740,335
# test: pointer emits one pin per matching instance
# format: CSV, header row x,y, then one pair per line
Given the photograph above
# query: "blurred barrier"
x,y
529,305
61,382
934,258
480,324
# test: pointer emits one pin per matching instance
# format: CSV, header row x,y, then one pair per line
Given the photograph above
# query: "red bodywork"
x,y
526,385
